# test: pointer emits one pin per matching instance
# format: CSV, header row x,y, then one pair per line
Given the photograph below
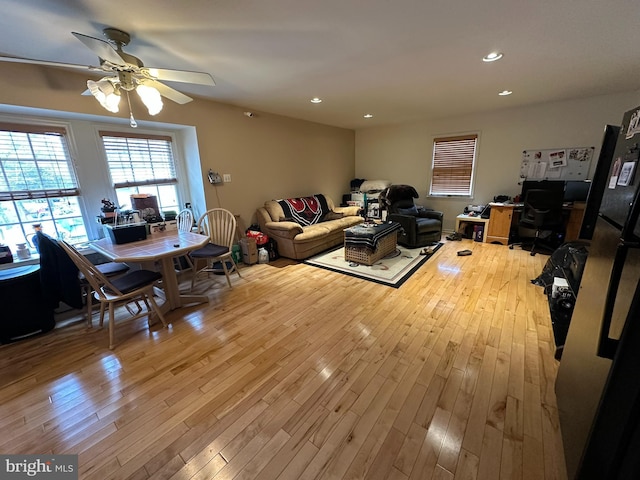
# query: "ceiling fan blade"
x,y
170,93
184,76
101,48
49,64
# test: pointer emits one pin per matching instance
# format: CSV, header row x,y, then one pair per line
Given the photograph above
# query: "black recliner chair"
x,y
421,226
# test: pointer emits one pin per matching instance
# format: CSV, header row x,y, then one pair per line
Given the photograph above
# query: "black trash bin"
x,y
24,309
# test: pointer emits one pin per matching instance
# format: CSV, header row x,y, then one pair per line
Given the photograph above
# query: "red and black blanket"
x,y
305,210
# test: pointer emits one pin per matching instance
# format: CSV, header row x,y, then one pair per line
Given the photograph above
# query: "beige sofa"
x,y
297,240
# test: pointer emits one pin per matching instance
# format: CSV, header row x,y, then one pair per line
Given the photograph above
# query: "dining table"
x,y
159,248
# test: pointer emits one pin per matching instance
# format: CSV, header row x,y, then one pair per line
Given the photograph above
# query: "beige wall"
x,y
268,156
402,153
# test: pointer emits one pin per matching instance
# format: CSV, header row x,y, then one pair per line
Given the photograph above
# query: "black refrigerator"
x,y
598,381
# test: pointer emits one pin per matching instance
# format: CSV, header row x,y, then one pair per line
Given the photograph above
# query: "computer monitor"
x,y
576,191
554,186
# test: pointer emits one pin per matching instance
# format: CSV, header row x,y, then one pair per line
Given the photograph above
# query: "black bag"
x,y
272,249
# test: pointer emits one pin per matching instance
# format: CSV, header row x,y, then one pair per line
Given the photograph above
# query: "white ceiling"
x,y
400,60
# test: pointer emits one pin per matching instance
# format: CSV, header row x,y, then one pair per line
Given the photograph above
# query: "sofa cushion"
x,y
305,210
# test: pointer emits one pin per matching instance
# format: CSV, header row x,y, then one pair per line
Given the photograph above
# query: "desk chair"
x,y
542,212
132,287
220,226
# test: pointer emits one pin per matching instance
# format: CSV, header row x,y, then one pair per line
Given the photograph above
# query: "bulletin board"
x,y
556,163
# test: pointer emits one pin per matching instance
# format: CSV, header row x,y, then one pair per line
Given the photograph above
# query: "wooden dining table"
x,y
160,247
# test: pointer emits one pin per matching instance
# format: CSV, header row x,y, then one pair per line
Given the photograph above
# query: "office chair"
x,y
542,213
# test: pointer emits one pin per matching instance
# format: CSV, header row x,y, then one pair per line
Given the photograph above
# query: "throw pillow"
x,y
332,216
408,211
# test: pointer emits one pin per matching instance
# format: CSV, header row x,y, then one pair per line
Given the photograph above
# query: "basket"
x,y
366,255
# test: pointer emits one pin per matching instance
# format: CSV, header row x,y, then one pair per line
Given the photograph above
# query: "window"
x,y
37,185
453,163
142,164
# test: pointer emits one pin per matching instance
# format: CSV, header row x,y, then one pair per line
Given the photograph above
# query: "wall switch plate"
x,y
226,177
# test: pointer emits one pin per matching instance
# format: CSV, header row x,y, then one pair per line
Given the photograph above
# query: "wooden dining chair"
x,y
185,224
110,270
220,226
132,287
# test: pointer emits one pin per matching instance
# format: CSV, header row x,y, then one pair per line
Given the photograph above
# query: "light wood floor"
x,y
302,373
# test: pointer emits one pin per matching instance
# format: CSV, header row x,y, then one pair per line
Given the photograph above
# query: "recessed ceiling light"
x,y
316,100
492,57
368,115
504,93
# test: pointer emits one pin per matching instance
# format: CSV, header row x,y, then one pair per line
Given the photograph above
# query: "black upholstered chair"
x,y
421,226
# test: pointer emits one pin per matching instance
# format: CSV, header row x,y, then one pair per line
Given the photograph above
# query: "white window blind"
x,y
138,160
35,163
453,163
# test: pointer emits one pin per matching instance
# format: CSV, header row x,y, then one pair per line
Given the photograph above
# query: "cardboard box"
x,y
249,249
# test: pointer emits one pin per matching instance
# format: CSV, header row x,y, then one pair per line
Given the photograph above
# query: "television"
x,y
576,191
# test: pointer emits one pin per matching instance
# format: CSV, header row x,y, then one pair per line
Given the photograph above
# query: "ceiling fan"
x,y
125,73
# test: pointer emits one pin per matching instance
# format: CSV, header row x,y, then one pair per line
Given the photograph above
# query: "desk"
x,y
504,216
162,247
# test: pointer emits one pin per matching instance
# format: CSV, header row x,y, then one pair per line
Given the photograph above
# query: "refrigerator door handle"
x,y
607,346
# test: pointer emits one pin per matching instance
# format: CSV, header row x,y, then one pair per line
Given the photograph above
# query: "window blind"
x,y
137,160
35,163
453,163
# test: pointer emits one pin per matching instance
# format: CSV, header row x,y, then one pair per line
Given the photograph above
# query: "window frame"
x,y
178,162
452,193
35,125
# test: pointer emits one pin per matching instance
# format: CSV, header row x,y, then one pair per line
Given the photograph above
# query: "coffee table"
x,y
367,243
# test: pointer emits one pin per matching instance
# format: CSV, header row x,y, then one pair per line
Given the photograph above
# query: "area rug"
x,y
392,270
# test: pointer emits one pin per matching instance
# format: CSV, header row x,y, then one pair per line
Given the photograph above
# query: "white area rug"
x,y
392,270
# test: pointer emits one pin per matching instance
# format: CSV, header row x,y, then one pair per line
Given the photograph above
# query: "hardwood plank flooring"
x,y
302,373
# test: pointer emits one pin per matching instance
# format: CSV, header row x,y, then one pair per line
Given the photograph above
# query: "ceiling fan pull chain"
x,y
132,121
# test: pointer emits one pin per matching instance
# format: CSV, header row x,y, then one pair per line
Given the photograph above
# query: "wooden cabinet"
x,y
500,223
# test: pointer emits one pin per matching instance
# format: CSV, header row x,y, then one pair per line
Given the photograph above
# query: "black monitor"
x,y
576,191
554,186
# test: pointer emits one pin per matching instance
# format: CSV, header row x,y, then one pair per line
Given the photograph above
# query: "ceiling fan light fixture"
x,y
151,98
106,93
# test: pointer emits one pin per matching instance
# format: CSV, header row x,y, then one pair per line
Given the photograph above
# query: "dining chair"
x,y
109,270
184,221
219,225
132,287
